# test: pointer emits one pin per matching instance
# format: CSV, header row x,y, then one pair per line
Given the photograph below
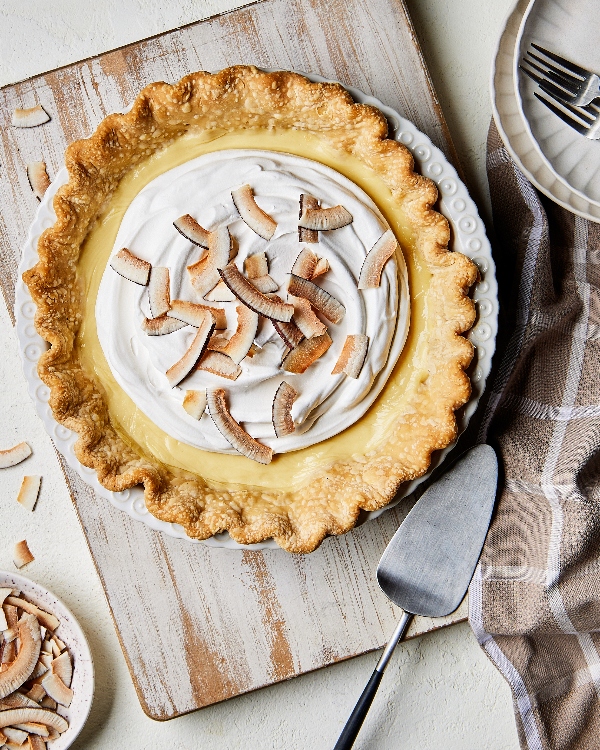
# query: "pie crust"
x,y
241,98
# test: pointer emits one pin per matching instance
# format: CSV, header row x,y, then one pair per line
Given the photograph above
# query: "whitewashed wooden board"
x,y
226,622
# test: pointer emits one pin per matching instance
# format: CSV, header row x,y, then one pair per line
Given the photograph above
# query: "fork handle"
x,y
357,717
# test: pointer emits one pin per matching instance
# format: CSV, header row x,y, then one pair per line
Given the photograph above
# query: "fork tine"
x,y
530,73
561,61
571,122
581,129
545,74
555,92
558,76
590,112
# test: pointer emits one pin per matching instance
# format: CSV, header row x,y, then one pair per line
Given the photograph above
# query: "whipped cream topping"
x,y
327,404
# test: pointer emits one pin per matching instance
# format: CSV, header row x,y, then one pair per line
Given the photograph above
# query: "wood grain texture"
x,y
227,622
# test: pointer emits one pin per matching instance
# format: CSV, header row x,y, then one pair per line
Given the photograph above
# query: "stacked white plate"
x,y
560,162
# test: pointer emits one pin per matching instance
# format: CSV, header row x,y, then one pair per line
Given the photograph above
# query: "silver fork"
x,y
585,120
570,83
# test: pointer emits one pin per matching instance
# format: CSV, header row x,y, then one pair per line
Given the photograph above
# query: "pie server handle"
x,y
355,722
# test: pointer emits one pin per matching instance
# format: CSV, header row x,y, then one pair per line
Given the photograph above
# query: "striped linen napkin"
x,y
535,597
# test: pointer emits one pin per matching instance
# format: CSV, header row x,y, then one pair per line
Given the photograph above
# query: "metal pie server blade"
x,y
427,567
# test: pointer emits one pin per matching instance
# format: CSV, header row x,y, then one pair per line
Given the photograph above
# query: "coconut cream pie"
x,y
251,307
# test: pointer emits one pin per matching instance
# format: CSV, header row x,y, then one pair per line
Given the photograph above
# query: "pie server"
x,y
427,567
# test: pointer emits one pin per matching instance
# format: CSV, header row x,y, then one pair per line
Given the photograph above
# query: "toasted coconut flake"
x,y
199,267
321,300
195,314
352,356
218,342
30,117
49,702
131,267
307,235
321,268
45,618
4,626
38,178
204,275
11,612
305,264
232,431
220,364
13,456
15,735
194,403
37,743
377,257
28,494
9,652
39,670
159,291
22,555
57,689
21,668
186,364
32,727
256,266
10,634
308,351
259,221
62,667
37,693
265,284
321,219
192,231
161,326
38,715
220,293
17,700
239,344
306,320
60,645
252,298
220,318
289,332
282,409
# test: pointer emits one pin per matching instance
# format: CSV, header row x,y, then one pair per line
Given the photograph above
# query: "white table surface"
x,y
440,691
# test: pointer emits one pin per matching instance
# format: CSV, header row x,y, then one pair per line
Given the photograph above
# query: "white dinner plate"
x,y
468,236
571,28
514,131
74,639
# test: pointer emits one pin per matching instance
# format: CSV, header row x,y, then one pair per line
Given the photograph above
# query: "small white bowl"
x,y
73,637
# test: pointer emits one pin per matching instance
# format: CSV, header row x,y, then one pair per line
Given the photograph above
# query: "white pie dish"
x,y
468,237
74,638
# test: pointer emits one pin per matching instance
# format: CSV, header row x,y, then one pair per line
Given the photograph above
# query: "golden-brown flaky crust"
x,y
234,99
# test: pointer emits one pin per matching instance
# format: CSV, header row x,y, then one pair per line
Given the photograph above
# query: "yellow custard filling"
x,y
290,470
